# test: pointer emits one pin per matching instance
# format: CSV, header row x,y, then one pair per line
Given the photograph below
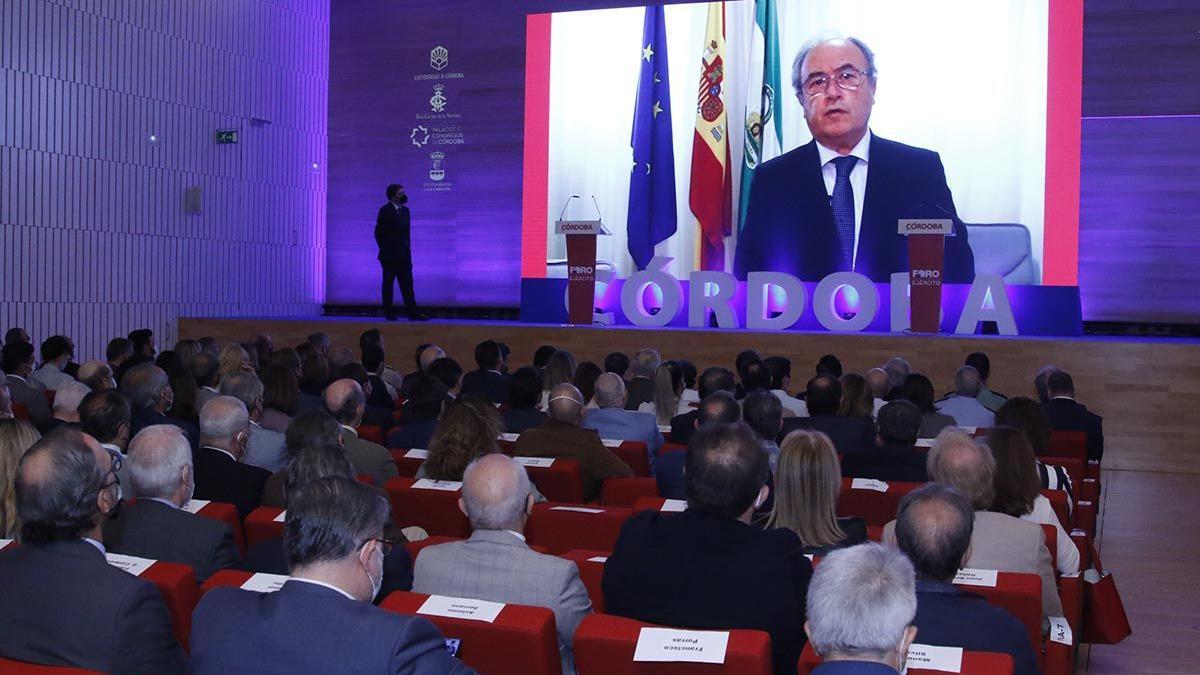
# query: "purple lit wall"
x,y
94,238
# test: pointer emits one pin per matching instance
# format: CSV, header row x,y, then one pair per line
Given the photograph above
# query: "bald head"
x,y
344,400
610,391
496,494
97,375
967,382
566,403
933,527
429,355
878,379
957,461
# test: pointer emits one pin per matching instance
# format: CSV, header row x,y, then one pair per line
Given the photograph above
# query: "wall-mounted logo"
x,y
437,102
419,136
437,171
439,57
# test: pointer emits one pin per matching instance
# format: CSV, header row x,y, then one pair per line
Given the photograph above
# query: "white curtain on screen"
x,y
966,79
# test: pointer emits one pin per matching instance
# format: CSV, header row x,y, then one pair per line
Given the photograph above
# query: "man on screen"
x,y
833,204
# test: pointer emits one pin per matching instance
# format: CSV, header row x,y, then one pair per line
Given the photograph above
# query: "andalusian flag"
x,y
764,124
711,192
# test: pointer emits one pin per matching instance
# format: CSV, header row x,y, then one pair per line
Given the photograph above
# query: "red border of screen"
x,y
1064,97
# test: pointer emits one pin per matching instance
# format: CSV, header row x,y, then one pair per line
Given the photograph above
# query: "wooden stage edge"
x,y
1146,389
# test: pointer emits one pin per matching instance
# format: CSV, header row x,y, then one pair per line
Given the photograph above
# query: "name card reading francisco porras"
x,y
461,608
445,485
946,659
265,583
973,577
692,646
132,564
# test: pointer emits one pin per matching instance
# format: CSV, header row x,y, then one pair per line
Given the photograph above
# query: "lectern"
x,y
581,262
926,258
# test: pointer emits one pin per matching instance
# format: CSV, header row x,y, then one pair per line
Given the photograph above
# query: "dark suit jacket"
x,y
517,420
849,434
379,394
31,397
151,529
696,570
683,426
222,479
790,227
62,604
305,628
412,434
267,556
487,383
392,228
853,668
951,617
856,533
557,439
639,390
889,463
369,458
147,417
1068,415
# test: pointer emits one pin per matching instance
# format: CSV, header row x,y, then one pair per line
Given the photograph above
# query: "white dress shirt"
x,y
858,179
322,583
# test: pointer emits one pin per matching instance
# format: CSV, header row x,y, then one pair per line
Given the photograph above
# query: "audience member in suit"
x,y
383,393
708,567
763,412
1066,414
66,406
18,364
467,430
495,564
619,363
118,352
1030,418
712,380
105,416
56,354
780,369
344,400
641,385
1040,382
314,377
206,369
523,397
267,449
999,541
806,493
823,396
965,405
450,373
934,525
586,374
97,375
372,340
281,391
221,476
156,526
149,391
897,370
311,429
63,604
426,354
612,419
309,464
321,620
918,390
427,396
896,458
373,415
563,436
489,381
878,379
989,399
743,359
17,334
861,607
717,408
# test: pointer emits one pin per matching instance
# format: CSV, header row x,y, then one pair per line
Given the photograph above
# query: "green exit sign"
x,y
227,136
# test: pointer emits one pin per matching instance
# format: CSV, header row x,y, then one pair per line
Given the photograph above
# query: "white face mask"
x,y
376,586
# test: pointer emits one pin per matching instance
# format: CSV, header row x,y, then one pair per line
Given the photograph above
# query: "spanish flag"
x,y
711,193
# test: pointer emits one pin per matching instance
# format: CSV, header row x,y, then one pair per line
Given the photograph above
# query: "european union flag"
x,y
652,216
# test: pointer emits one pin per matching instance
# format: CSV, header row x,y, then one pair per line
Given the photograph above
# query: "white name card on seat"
x,y
925,442
444,485
671,644
929,657
194,505
417,453
540,462
973,577
132,564
611,442
868,484
1060,631
576,509
969,430
664,428
512,438
281,517
674,506
4,543
265,583
599,559
461,608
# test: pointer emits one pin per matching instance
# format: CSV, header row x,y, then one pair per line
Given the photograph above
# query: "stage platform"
x,y
1147,389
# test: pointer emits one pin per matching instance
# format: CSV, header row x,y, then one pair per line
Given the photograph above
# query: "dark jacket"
x,y
948,616
696,570
856,533
558,439
1069,415
148,417
221,478
517,420
889,463
150,529
849,434
412,434
268,556
392,235
683,426
639,390
488,384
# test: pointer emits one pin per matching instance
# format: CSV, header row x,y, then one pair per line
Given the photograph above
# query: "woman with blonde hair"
x,y
668,393
806,494
16,436
235,359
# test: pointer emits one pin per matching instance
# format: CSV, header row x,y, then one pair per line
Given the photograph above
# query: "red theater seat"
x,y
1068,444
225,578
226,513
559,528
1059,502
11,667
605,644
559,482
415,547
406,466
260,525
436,511
973,663
1021,595
591,573
371,433
1051,534
634,454
177,583
22,413
626,491
521,641
877,508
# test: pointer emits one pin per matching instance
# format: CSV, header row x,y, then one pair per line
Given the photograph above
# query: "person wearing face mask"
x,y
321,620
149,391
156,526
63,604
708,567
392,234
221,475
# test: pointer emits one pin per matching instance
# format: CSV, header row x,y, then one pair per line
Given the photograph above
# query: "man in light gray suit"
x,y
345,400
267,449
495,564
612,420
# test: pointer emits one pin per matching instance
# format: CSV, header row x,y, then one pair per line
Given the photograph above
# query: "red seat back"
x,y
591,573
1051,534
521,641
49,396
634,454
225,578
436,511
560,529
1021,595
562,481
11,667
605,644
371,433
22,413
260,525
626,491
877,508
226,513
973,663
1071,444
177,583
406,466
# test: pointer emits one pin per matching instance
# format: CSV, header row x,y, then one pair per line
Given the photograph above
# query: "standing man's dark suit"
x,y
152,529
221,478
790,224
392,235
849,434
63,604
1066,414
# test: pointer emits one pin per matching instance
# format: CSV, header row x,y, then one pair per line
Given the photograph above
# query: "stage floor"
x,y
1146,388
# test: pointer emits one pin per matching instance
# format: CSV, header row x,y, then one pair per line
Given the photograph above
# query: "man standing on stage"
x,y
395,252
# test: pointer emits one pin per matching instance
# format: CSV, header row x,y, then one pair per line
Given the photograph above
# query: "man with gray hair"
x,y
66,406
562,435
267,448
933,528
149,391
897,370
832,204
495,563
964,405
999,541
612,418
97,375
221,476
641,386
156,525
878,379
345,400
861,605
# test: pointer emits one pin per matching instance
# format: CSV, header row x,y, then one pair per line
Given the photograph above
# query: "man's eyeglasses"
x,y
385,545
847,79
